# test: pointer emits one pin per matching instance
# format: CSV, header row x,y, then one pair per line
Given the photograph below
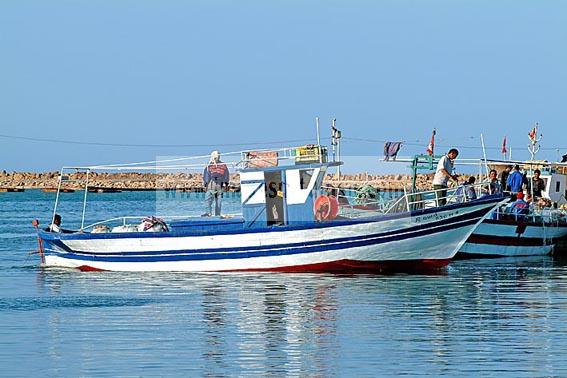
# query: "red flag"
x,y
431,145
533,134
504,149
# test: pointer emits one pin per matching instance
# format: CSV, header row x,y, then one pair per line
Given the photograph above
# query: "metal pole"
x,y
338,142
333,139
407,199
318,135
531,182
339,154
414,178
480,175
57,197
484,153
85,201
319,150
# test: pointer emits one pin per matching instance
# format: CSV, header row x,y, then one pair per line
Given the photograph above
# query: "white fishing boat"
x,y
537,231
289,222
539,225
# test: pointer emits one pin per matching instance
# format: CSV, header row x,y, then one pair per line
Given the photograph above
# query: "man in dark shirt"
x,y
536,185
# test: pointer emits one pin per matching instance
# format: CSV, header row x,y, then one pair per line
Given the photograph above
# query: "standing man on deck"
x,y
504,178
515,180
215,177
443,174
536,186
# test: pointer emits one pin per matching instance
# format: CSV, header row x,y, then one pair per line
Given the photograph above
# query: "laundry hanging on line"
x,y
391,150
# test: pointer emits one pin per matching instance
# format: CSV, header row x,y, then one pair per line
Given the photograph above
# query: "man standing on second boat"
x,y
443,174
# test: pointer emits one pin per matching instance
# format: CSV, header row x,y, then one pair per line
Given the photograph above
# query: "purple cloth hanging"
x,y
391,150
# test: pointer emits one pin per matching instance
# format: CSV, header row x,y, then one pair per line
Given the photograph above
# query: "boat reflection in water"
x,y
505,312
273,327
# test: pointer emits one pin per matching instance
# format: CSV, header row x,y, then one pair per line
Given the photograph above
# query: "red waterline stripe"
x,y
354,266
341,266
88,268
517,241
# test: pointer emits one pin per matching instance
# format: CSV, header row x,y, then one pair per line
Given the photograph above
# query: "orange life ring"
x,y
326,208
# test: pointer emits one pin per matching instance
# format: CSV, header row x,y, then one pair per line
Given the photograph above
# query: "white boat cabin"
x,y
279,195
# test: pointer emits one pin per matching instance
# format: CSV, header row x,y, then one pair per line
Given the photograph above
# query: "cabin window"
x,y
305,176
557,186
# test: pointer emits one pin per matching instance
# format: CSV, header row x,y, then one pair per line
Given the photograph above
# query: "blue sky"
x,y
226,72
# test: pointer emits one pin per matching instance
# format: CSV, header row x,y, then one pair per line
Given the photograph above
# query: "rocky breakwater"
x,y
184,181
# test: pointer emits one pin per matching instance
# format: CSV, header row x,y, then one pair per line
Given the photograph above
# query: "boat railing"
x,y
411,200
547,216
357,198
446,196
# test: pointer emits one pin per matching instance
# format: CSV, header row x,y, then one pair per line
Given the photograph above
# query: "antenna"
x,y
484,153
534,145
318,135
336,141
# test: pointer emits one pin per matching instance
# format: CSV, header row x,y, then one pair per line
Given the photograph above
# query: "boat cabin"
x,y
274,194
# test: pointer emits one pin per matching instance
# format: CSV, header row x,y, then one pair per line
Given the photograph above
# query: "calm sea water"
x,y
480,317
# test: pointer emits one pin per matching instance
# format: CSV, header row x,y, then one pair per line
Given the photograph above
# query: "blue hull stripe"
x,y
189,256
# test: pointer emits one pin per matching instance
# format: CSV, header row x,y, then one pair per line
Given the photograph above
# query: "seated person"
x,y
520,206
341,197
470,192
493,186
56,226
339,194
543,203
466,190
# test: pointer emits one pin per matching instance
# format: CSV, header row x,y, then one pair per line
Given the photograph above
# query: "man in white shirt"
x,y
443,174
56,225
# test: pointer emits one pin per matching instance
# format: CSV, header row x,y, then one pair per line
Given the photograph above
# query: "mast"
x,y
484,154
534,145
533,148
336,144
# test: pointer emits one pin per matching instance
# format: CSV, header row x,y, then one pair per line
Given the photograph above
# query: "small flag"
x,y
504,149
431,145
533,134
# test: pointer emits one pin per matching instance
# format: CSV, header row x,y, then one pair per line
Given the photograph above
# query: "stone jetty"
x,y
183,181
